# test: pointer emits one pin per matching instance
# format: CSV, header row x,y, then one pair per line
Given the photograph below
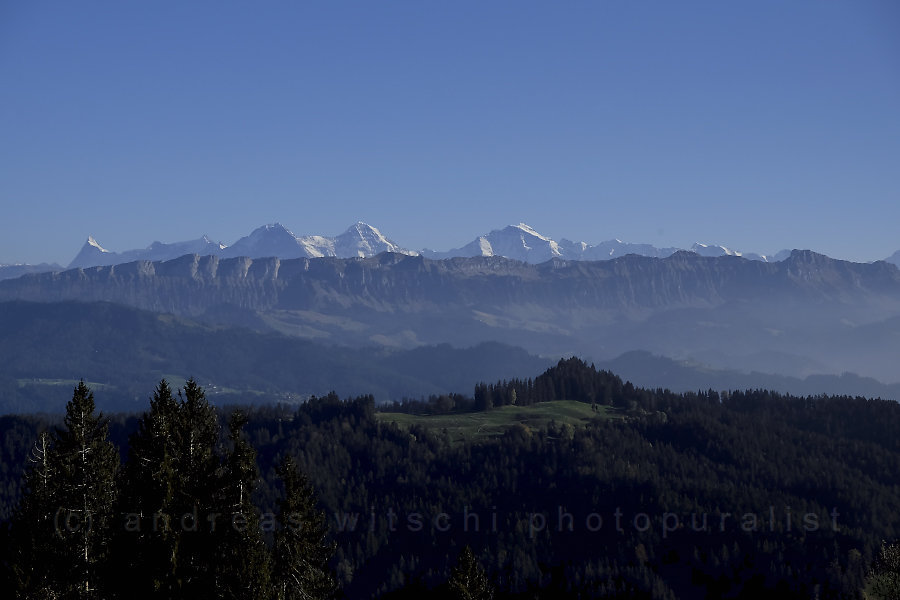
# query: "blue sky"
x,y
759,125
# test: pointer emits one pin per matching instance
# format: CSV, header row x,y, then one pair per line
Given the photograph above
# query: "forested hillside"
x,y
662,495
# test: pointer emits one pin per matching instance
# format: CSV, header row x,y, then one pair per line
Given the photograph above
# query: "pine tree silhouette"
x,y
302,551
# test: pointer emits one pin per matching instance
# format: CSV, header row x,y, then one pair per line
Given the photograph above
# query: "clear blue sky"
x,y
760,125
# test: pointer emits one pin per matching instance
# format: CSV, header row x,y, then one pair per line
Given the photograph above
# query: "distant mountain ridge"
x,y
129,351
269,240
522,242
518,242
92,254
13,271
650,371
805,310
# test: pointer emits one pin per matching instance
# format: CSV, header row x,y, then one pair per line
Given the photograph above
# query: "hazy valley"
x,y
805,315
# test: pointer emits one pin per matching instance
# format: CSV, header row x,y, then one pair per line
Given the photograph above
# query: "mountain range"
x,y
803,315
522,242
791,315
269,240
519,242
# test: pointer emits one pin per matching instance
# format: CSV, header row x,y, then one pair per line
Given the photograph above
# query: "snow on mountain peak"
x,y
269,240
93,242
206,240
92,254
713,250
520,242
274,228
485,246
530,231
364,230
363,240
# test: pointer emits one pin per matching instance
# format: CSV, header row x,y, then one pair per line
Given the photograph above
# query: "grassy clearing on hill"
x,y
478,425
94,385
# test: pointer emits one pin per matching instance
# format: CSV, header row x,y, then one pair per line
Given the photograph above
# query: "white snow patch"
x,y
96,244
530,231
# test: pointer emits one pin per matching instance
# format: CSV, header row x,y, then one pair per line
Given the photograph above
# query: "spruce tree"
x,y
884,580
242,563
86,462
197,478
468,580
148,536
32,534
63,524
301,551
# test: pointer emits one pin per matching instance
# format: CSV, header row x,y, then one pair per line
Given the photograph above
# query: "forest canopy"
x,y
647,493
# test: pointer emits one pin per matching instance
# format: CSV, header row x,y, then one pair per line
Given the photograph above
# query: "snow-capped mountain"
x,y
522,242
269,240
360,240
613,249
364,240
519,242
708,250
92,254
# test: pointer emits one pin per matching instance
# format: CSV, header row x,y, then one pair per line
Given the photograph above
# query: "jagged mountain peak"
x,y
272,229
361,227
273,239
91,254
360,230
363,240
519,242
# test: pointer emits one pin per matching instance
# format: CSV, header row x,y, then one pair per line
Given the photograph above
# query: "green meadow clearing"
x,y
475,425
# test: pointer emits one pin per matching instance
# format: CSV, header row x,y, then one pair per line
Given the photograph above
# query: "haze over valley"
x,y
450,300
804,315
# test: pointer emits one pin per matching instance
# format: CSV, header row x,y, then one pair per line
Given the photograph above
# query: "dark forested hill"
x,y
808,308
699,495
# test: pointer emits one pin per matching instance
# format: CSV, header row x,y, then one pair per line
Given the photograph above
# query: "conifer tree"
x,y
242,564
301,551
86,462
468,580
148,535
197,481
32,533
63,525
884,581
